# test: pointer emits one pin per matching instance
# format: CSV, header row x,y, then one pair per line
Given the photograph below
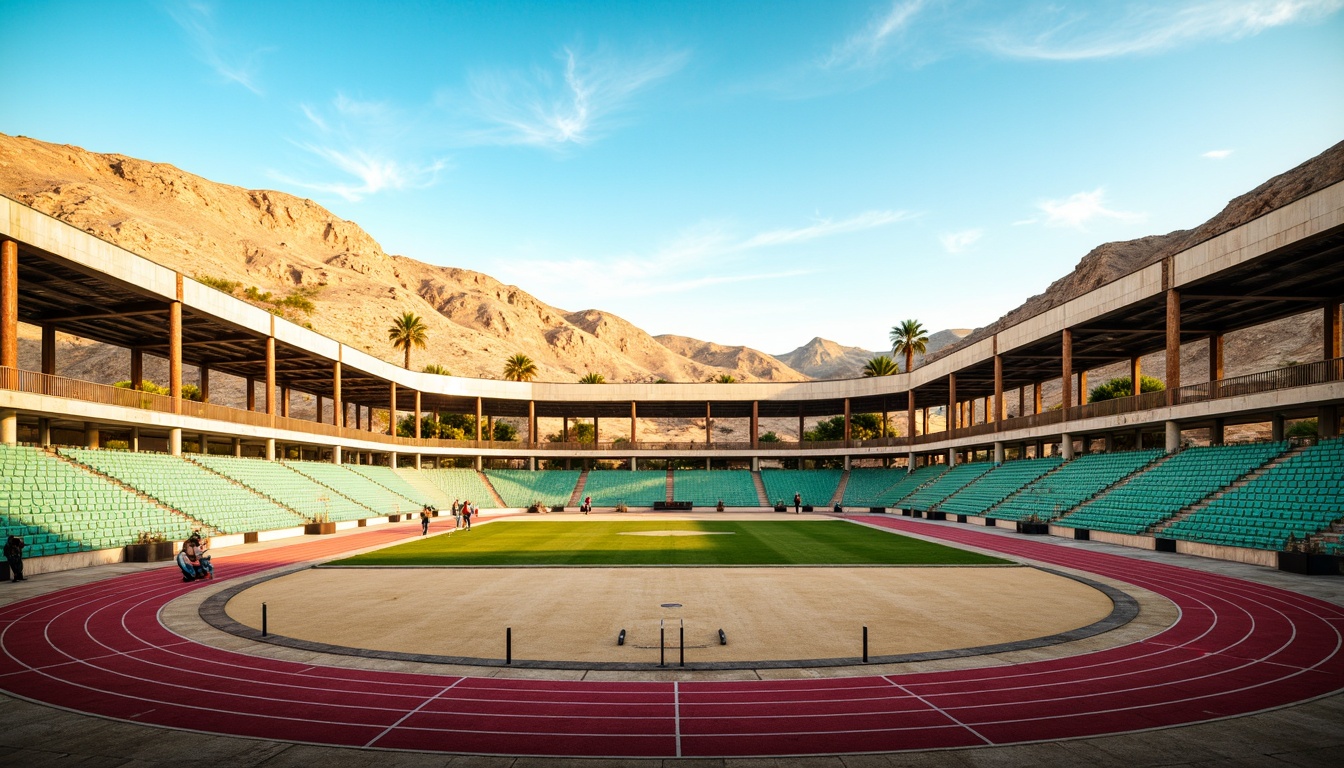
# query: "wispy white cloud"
x,y
1217,154
576,105
197,20
1077,210
868,46
1102,30
366,143
958,242
682,264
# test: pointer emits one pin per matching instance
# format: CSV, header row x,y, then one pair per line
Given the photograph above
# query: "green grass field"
x,y
804,542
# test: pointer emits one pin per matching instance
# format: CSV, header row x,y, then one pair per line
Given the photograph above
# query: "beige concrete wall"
x,y
1124,540
1235,554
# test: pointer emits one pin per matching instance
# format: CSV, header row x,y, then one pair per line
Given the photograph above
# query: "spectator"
x,y
14,556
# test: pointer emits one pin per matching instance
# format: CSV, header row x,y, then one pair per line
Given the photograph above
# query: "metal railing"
x,y
1305,374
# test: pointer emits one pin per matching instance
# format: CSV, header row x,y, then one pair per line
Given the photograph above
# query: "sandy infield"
x,y
574,614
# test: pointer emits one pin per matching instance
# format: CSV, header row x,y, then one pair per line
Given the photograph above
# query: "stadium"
x,y
1025,579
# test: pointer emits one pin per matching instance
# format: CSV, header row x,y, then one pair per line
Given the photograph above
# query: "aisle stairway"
x,y
1242,482
761,495
499,502
839,491
576,498
671,488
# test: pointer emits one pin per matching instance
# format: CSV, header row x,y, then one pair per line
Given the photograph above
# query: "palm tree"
x,y
520,368
909,338
439,369
880,366
593,378
408,331
725,378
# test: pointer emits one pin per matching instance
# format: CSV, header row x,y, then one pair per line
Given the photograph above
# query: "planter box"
x,y
779,508
660,506
151,553
991,522
907,513
1165,545
808,508
1033,529
936,515
1309,564
961,518
1082,534
878,510
557,508
319,529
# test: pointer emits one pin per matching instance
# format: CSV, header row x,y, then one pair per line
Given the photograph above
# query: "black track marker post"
x,y
508,645
263,619
662,644
682,661
865,644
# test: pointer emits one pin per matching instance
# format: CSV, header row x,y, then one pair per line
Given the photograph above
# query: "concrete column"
x,y
847,423
1327,422
91,435
755,422
416,431
1216,432
951,405
175,350
634,463
135,439
910,416
44,432
1066,360
417,461
392,409
335,454
270,449
1066,446
846,463
480,461
175,441
9,316
269,398
9,427
138,369
1173,431
1332,332
998,453
478,429
1108,442
1173,345
755,463
709,466
238,447
49,350
337,401
951,457
392,459
1138,439
203,443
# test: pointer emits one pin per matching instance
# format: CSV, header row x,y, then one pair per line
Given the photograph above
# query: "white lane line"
x,y
937,709
406,716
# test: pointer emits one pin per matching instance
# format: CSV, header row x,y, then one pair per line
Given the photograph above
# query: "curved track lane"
x,y
1237,648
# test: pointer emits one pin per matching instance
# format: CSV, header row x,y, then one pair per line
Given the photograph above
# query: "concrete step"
x,y
761,495
576,498
499,501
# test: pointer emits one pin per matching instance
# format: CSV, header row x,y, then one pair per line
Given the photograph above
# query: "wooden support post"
x,y
392,409
1135,375
910,416
205,384
1173,345
951,403
270,378
755,422
634,425
9,304
49,350
847,423
478,420
1066,369
337,401
417,415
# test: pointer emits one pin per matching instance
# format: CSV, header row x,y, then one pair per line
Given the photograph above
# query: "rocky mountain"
x,y
824,359
287,253
744,363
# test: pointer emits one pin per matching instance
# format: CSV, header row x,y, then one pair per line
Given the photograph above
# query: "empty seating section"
x,y
523,487
997,485
220,503
705,488
356,486
419,479
637,489
882,487
461,485
817,486
391,480
948,483
59,508
282,484
1301,496
1167,487
1072,484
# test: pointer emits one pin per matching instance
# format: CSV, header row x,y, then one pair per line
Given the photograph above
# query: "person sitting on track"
x,y
189,560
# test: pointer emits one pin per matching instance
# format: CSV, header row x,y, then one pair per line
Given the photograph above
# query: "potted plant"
x,y
319,525
1304,556
1033,526
150,547
719,506
620,507
779,506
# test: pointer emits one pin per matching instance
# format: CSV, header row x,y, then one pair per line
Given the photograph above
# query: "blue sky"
x,y
747,173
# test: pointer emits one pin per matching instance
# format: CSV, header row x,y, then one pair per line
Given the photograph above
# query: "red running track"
x,y
1237,648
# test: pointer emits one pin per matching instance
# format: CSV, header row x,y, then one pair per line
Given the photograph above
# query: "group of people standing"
x,y
463,512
